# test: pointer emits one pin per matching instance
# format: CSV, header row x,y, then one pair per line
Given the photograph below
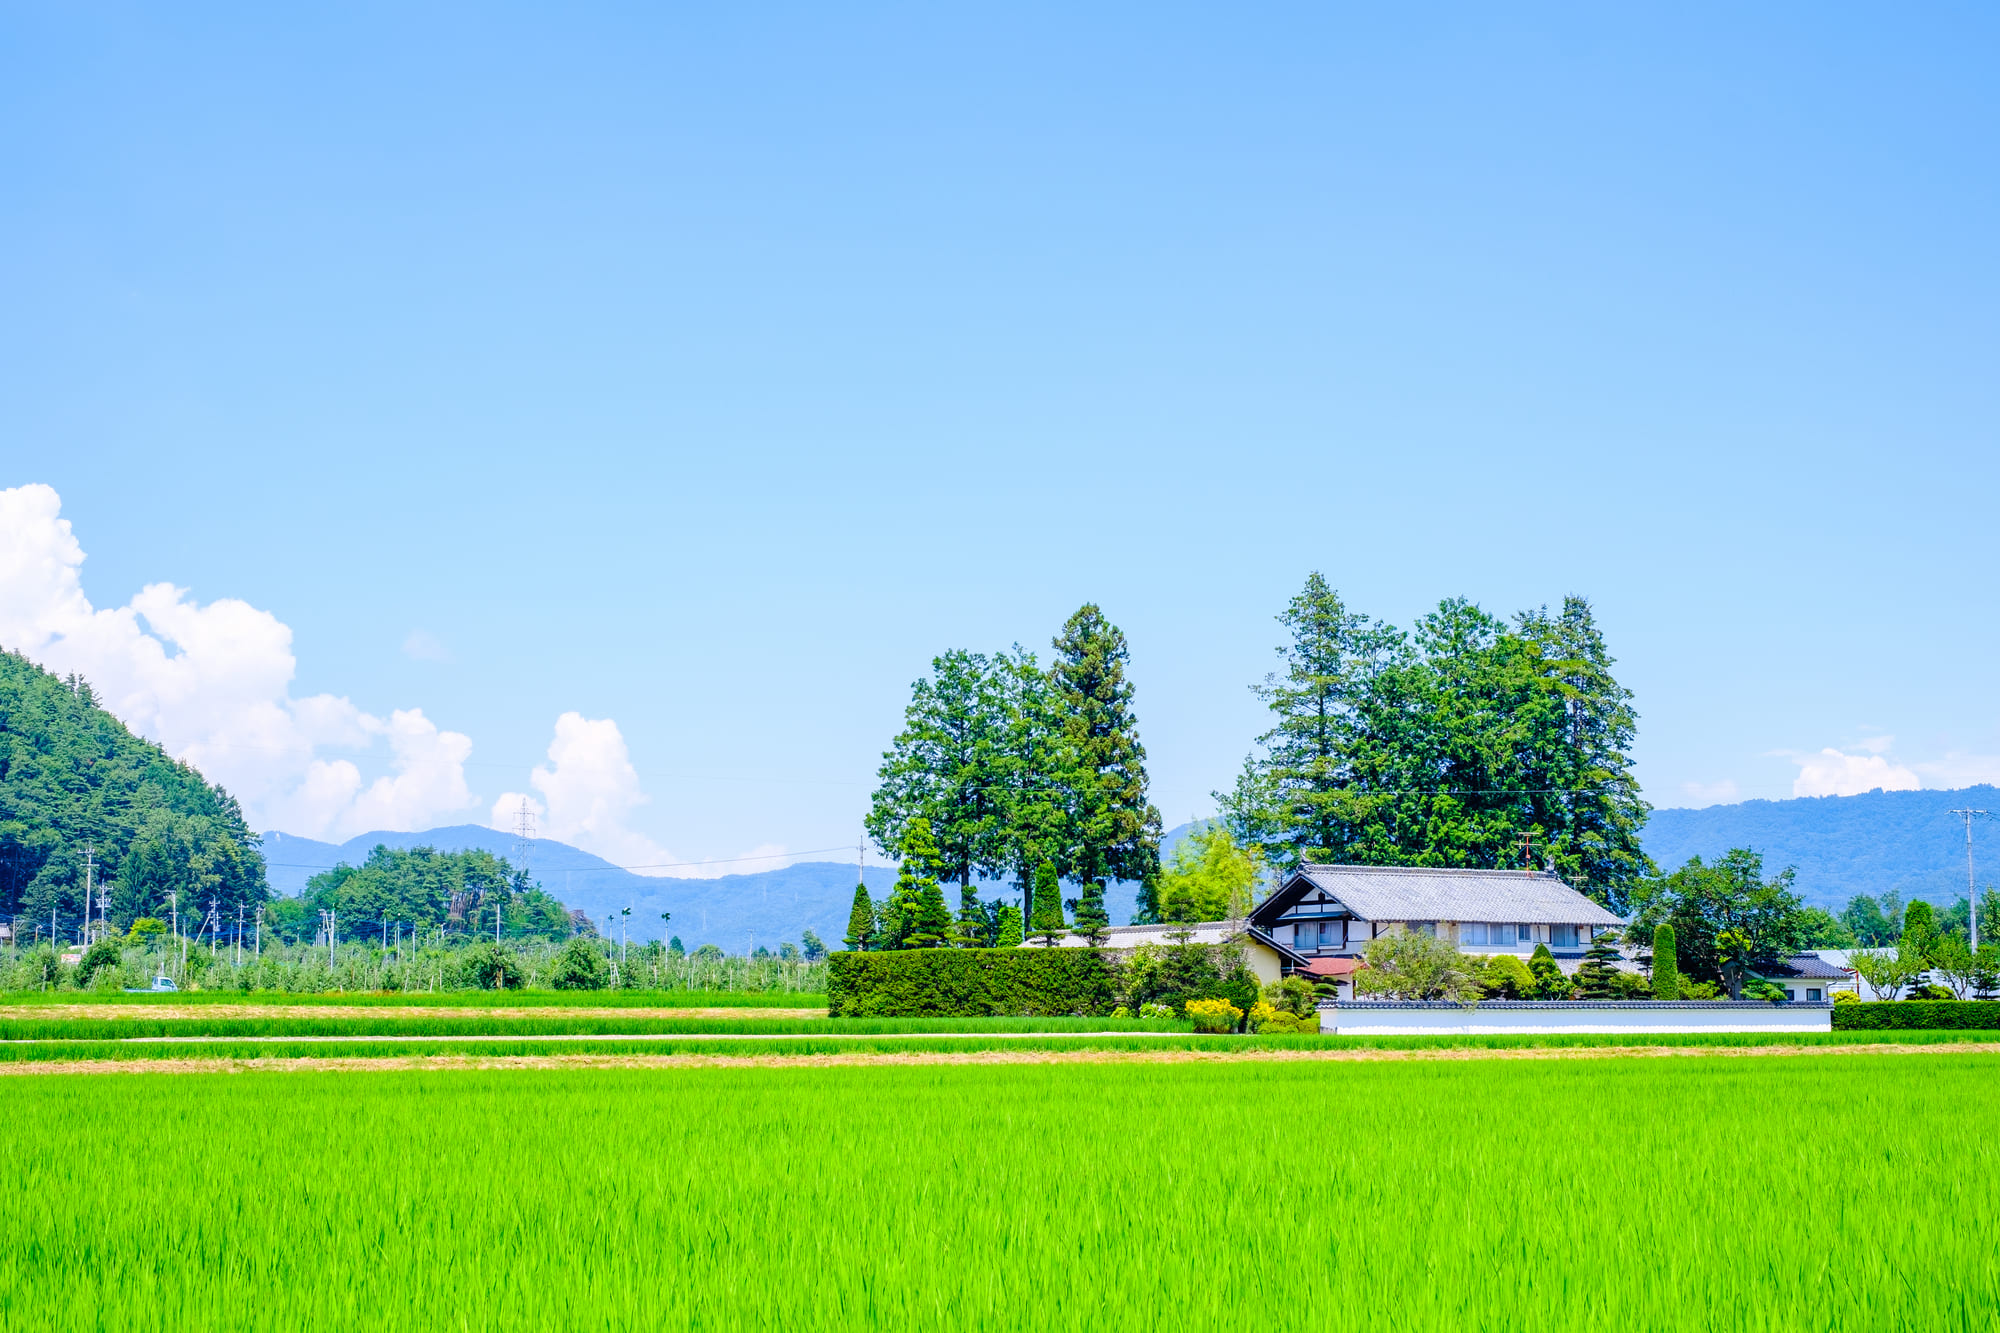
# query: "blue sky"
x,y
703,374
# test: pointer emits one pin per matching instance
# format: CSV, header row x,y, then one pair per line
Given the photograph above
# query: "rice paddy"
x,y
1821,1191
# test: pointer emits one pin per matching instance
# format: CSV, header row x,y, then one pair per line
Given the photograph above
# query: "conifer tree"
x,y
861,920
1007,927
1047,924
1920,932
922,919
1550,983
1113,831
1091,918
973,926
1600,965
1666,967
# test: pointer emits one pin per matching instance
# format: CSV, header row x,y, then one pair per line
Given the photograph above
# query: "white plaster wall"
x,y
1491,1020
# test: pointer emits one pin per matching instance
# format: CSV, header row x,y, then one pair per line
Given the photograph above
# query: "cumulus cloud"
x,y
1834,772
212,684
588,792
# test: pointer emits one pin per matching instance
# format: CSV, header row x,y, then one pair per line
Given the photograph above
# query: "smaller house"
x,y
1809,978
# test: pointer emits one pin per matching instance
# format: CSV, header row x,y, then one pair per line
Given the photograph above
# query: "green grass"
x,y
513,999
1669,1195
104,1029
877,1036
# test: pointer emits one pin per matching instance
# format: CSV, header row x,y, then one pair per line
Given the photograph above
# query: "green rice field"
x,y
1840,1192
475,999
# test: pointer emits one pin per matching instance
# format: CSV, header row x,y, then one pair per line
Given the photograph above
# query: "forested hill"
x,y
1908,841
72,777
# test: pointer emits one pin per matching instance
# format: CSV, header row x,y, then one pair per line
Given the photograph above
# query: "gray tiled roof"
x,y
1421,893
1809,967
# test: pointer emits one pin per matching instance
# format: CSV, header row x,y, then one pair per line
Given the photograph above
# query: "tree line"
x,y
1469,741
1005,768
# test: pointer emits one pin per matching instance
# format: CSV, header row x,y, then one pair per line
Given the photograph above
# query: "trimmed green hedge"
x,y
970,983
1886,1015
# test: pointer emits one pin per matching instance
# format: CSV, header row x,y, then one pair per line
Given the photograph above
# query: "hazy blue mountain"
x,y
1842,845
1908,841
732,911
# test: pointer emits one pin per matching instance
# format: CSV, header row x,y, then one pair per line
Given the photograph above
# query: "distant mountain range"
x,y
1907,841
735,912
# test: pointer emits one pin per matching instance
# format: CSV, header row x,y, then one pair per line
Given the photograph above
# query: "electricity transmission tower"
x,y
1971,896
524,838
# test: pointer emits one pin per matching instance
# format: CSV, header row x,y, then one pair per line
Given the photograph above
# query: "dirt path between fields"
x,y
116,1012
376,1064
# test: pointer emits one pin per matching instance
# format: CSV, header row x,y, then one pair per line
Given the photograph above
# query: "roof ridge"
x,y
1426,870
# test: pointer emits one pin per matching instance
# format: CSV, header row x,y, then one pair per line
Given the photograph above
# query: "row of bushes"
x,y
1034,983
1911,1015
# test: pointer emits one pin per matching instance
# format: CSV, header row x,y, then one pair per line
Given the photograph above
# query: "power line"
x,y
657,865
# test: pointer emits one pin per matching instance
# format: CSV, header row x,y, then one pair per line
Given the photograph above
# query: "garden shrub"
x,y
971,983
1909,1015
1294,996
1505,977
1214,1015
1841,997
1156,1011
1266,1017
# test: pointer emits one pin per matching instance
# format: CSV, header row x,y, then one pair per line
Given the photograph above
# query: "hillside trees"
x,y
460,892
72,777
1453,745
1012,767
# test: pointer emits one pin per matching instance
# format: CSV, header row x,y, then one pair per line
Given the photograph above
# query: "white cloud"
x,y
588,791
1711,793
423,646
212,683
1832,772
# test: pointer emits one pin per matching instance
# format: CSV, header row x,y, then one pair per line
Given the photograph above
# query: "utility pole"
x,y
1971,896
260,932
624,919
239,934
89,884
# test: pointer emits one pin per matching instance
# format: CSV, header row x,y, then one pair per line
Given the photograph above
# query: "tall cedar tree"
x,y
1464,744
922,921
861,920
946,768
1047,924
1666,967
1113,831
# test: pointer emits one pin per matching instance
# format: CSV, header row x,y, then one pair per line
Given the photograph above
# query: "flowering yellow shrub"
x,y
1214,1015
1266,1017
